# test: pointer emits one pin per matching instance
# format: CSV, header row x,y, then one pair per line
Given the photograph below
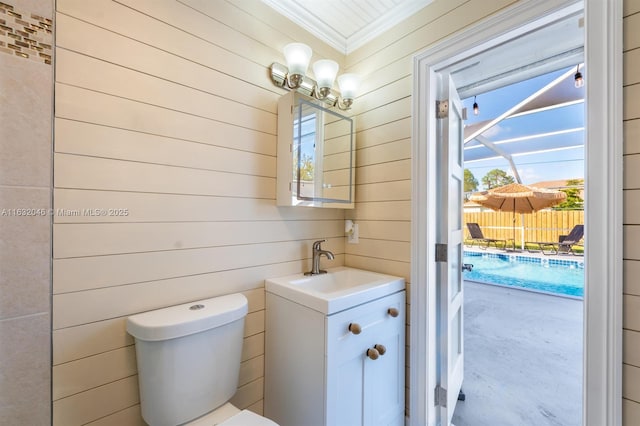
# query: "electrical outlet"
x,y
352,238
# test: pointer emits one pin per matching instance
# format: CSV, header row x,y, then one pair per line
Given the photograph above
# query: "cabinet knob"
x,y
380,348
355,328
393,312
373,353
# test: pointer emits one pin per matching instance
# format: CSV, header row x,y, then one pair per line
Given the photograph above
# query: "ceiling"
x,y
346,25
559,93
557,45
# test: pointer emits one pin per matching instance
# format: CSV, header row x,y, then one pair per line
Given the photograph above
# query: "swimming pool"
x,y
557,276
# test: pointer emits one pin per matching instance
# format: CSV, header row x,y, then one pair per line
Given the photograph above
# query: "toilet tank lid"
x,y
186,319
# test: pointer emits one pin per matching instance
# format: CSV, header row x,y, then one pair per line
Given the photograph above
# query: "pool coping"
x,y
530,290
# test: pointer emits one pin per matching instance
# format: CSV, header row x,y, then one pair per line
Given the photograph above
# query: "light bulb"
x,y
349,85
325,71
579,81
476,108
298,56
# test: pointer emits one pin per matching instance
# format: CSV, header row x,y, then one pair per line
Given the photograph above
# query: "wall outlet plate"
x,y
352,238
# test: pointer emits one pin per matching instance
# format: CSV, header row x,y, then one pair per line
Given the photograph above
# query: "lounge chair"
x,y
476,236
564,246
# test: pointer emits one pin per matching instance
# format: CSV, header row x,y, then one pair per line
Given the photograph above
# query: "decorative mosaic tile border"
x,y
526,259
25,35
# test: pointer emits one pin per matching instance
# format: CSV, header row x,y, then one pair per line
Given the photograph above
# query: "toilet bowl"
x,y
189,362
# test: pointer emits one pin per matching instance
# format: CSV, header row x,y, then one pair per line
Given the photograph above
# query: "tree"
x,y
495,178
573,200
306,168
470,183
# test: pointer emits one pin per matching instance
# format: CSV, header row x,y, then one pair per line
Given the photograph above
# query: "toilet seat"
x,y
229,415
248,418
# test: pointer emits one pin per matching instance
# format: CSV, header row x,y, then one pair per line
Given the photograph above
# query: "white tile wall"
x,y
26,91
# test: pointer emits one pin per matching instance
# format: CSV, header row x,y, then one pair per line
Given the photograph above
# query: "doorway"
x,y
523,334
602,327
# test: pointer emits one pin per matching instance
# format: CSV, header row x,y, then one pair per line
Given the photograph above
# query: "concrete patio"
x,y
523,358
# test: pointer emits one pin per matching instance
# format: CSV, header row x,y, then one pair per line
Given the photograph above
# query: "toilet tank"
x,y
188,357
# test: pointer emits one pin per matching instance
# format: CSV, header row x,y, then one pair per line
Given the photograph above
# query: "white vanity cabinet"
x,y
344,369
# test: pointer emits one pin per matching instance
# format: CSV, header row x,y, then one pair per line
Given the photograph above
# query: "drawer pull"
x,y
380,348
393,312
373,353
355,328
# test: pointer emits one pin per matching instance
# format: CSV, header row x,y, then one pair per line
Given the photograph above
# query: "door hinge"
x,y
441,252
440,396
442,109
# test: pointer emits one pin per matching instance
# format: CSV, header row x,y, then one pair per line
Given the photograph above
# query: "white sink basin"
x,y
339,289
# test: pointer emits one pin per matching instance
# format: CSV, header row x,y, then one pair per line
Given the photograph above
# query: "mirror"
x,y
316,146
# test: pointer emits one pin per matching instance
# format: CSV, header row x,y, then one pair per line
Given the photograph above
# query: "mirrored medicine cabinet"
x,y
316,154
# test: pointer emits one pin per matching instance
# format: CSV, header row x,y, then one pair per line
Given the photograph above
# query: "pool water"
x,y
563,277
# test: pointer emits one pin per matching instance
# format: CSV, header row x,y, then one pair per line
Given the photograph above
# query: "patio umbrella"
x,y
518,198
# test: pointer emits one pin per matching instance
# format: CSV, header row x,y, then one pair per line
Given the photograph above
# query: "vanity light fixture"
x,y
298,56
579,81
292,76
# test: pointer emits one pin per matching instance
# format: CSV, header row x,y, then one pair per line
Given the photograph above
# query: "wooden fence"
x,y
545,225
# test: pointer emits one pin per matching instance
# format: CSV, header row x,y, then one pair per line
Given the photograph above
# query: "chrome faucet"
x,y
317,252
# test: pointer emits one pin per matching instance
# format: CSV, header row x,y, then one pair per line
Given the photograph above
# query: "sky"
x,y
558,164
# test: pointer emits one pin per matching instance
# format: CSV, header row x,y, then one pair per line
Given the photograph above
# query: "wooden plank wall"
x,y
631,322
165,117
383,173
544,225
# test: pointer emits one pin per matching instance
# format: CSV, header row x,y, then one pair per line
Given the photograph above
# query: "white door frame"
x,y
602,367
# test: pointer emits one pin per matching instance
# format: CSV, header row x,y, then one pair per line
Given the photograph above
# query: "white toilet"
x,y
189,361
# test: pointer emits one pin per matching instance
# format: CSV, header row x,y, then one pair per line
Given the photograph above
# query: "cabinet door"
x,y
384,378
361,390
345,393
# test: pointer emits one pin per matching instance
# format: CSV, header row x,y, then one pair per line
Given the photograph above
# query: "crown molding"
x,y
305,18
